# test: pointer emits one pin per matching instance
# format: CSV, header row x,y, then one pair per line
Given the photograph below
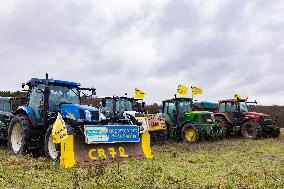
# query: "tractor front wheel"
x,y
52,150
19,135
224,124
191,133
251,130
276,132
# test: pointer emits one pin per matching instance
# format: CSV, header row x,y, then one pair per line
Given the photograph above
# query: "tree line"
x,y
277,112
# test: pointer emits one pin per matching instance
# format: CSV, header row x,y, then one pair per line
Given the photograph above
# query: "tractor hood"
x,y
197,112
134,113
80,113
253,114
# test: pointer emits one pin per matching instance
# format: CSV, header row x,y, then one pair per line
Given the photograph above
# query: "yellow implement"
x,y
75,152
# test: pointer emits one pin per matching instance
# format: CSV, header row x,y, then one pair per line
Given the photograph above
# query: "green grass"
x,y
231,163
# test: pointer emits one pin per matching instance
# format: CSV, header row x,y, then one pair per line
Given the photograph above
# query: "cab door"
x,y
232,108
36,103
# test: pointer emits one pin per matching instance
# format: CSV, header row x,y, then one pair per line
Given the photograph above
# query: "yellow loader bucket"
x,y
76,152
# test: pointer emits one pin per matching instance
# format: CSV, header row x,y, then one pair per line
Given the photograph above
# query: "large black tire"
x,y
51,150
251,130
166,133
223,123
191,133
276,132
19,135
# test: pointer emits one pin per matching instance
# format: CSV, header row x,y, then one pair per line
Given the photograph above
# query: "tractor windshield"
x,y
107,109
5,105
243,107
231,107
184,106
63,94
124,104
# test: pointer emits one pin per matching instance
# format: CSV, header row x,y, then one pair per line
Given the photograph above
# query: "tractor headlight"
x,y
88,115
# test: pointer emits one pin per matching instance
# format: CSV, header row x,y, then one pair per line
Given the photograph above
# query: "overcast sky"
x,y
115,46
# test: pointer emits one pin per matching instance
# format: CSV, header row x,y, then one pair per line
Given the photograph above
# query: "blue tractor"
x,y
30,127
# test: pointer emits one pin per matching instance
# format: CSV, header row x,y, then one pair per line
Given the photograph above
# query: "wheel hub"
x,y
17,137
190,135
52,150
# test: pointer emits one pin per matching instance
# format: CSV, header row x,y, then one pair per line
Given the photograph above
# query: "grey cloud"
x,y
68,40
179,14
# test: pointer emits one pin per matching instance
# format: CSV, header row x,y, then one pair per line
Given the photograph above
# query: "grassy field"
x,y
231,163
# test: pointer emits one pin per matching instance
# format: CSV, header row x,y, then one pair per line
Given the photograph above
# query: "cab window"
x,y
231,107
222,107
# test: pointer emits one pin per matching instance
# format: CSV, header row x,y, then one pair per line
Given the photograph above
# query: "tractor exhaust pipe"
x,y
46,100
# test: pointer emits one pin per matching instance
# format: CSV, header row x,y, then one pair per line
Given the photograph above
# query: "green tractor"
x,y
188,125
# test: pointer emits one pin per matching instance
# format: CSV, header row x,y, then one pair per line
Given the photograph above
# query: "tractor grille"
x,y
95,115
267,120
82,114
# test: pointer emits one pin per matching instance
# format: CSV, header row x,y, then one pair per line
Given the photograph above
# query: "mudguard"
x,y
30,113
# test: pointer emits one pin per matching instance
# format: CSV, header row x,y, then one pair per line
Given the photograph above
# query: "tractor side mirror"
x,y
103,101
136,105
143,105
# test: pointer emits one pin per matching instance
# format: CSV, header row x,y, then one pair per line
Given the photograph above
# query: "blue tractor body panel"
x,y
28,110
86,114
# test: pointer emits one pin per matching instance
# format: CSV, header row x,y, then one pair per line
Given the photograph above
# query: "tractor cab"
x,y
238,111
117,106
47,97
180,108
234,109
176,107
123,109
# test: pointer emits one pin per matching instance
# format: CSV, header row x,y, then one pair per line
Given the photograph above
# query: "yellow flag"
x,y
138,93
59,130
196,91
237,97
182,90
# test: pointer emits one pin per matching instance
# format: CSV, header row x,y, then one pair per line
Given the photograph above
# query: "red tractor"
x,y
238,120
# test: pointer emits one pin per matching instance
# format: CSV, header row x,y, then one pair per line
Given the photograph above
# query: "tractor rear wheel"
x,y
19,135
224,124
251,130
52,150
191,133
